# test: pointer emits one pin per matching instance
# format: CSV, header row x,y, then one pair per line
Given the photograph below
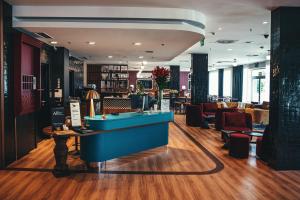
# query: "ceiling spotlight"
x,y
53,42
229,49
220,28
137,44
265,22
91,43
141,57
110,57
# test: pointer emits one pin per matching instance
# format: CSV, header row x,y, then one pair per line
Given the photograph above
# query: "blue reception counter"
x,y
124,134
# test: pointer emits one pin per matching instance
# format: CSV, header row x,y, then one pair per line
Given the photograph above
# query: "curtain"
x,y
237,83
221,76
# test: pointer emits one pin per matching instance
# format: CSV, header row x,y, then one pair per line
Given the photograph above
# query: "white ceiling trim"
x,y
111,25
109,12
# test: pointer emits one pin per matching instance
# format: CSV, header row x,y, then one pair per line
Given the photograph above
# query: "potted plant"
x,y
161,76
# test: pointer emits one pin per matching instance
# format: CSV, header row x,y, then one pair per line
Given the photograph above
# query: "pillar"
x,y
285,89
199,84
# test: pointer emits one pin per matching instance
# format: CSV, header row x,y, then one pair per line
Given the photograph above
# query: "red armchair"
x,y
236,121
209,109
219,113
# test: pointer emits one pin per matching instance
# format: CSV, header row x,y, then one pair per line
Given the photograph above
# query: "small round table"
x,y
60,150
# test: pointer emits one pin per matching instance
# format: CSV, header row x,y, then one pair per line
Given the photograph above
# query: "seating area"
x,y
235,125
150,99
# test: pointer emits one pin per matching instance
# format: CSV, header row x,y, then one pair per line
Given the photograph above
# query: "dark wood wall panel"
x,y
26,134
199,78
27,69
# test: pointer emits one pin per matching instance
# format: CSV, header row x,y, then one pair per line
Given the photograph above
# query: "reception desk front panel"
x,y
127,133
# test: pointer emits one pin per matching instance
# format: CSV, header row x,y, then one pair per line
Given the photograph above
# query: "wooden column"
x,y
285,88
175,77
199,83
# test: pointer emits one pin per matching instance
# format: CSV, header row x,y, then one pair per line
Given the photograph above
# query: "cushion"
x,y
265,105
210,107
224,105
235,119
232,104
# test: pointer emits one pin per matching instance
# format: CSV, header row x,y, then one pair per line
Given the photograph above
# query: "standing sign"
x,y
165,105
75,114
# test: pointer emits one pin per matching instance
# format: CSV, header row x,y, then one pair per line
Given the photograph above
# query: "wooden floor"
x,y
193,166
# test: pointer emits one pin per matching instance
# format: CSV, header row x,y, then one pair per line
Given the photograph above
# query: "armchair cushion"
x,y
210,107
236,119
218,122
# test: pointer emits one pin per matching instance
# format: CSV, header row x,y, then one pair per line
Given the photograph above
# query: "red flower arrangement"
x,y
161,75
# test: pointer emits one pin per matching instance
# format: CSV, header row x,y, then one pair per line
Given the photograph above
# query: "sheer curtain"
x,y
213,82
227,82
247,81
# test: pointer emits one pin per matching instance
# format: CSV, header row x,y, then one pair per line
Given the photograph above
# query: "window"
x,y
260,85
213,82
227,82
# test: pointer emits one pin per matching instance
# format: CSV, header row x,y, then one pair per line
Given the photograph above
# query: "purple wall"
x,y
184,77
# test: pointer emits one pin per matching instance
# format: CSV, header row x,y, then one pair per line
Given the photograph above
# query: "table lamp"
x,y
91,95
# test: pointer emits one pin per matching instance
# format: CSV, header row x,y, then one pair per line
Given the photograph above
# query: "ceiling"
x,y
240,20
118,43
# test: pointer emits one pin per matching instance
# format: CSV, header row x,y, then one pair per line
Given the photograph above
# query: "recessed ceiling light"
x,y
53,42
110,57
265,22
229,49
220,28
137,44
91,43
141,57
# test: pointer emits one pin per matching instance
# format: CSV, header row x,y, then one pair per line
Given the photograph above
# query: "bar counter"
x,y
124,134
